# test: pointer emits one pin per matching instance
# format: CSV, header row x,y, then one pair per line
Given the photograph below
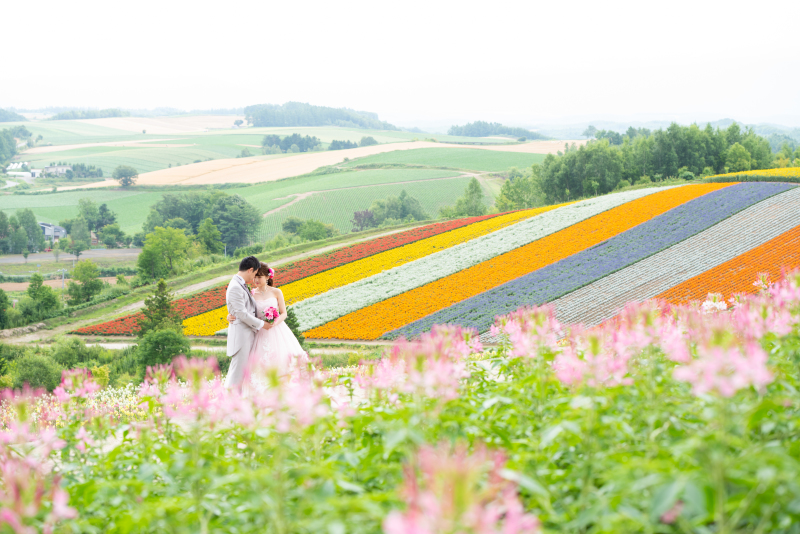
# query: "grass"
x,y
337,207
131,207
73,132
472,159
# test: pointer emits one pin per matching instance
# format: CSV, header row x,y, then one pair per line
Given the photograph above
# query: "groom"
x,y
243,330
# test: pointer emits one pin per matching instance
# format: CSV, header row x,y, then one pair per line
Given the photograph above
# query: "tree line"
x,y
8,143
390,211
485,129
301,114
78,114
274,144
685,152
6,115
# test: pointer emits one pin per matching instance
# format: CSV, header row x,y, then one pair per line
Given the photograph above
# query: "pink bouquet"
x,y
270,314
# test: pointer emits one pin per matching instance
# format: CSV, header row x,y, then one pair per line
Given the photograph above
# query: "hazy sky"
x,y
520,62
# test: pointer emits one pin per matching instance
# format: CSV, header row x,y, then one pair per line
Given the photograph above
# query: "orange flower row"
x,y
373,321
737,275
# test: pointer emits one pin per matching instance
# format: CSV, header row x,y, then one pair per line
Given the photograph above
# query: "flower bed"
x,y
754,240
214,298
557,279
581,230
785,174
212,321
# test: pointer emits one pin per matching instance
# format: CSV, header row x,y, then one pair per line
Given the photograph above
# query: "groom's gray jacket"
x,y
242,331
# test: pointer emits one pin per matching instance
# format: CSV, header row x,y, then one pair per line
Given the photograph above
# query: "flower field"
x,y
215,298
571,273
784,173
376,320
671,419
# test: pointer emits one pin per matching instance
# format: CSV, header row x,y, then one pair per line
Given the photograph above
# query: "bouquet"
x,y
270,314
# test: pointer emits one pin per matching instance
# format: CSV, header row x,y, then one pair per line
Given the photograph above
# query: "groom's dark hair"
x,y
250,262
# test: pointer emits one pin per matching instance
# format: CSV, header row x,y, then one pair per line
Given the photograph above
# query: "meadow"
x,y
471,159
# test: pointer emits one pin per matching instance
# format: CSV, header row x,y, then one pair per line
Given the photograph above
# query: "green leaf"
x,y
526,482
349,486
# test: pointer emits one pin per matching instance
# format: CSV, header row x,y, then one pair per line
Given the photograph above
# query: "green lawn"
x,y
473,159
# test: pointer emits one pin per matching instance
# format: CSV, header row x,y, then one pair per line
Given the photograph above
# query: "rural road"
x,y
125,253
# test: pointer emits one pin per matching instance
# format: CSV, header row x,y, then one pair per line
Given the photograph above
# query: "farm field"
x,y
470,159
586,258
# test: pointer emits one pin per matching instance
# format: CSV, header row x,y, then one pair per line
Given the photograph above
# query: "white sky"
x,y
519,62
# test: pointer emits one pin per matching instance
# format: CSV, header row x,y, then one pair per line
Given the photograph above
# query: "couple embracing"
x,y
258,335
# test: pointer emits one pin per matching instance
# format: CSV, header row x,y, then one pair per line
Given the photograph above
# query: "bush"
x,y
623,183
6,382
159,347
73,352
687,175
368,141
644,180
38,371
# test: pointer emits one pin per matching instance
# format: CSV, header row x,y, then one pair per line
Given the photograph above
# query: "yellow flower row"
x,y
208,323
785,172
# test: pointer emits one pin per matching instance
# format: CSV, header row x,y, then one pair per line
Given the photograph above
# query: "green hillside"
x,y
474,159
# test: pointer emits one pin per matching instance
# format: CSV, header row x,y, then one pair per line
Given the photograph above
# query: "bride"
x,y
275,345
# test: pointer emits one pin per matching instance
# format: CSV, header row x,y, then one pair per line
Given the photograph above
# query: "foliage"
x,y
367,140
469,205
85,282
41,300
299,114
166,248
662,153
294,326
37,371
80,114
158,347
310,230
159,313
126,175
80,237
6,115
8,145
209,237
5,303
487,129
342,145
303,143
519,191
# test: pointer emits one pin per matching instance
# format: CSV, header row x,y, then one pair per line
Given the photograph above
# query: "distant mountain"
x,y
10,116
300,114
486,129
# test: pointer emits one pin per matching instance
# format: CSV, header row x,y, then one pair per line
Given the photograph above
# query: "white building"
x,y
53,232
57,169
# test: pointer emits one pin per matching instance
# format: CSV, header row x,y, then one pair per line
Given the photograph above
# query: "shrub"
x,y
38,371
73,352
623,183
644,180
160,347
6,382
100,375
687,175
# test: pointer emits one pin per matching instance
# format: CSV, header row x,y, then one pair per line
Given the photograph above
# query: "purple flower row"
x,y
558,279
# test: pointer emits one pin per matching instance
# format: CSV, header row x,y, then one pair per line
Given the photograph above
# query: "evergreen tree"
x,y
294,326
469,205
159,312
4,304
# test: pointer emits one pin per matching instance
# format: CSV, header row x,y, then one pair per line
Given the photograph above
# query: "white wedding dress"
x,y
277,347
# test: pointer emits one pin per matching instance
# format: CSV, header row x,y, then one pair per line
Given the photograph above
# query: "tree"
x,y
589,132
19,241
112,235
180,224
238,122
159,347
151,264
4,304
469,205
27,221
363,220
56,250
236,219
87,210
170,243
400,208
81,238
86,282
368,141
159,313
43,299
519,192
292,225
126,175
316,230
209,237
104,218
738,158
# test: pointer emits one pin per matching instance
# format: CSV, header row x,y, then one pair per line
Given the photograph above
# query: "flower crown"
x,y
271,272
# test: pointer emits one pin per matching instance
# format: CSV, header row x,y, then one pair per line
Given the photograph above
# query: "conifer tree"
x,y
159,312
294,326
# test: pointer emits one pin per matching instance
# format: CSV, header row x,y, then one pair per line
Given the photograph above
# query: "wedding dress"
x,y
277,347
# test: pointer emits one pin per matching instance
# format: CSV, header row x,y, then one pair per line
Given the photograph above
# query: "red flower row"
x,y
214,298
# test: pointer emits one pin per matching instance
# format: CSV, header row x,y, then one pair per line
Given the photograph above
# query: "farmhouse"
x,y
52,232
57,169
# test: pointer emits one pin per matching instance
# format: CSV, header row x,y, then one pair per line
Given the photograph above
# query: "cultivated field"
x,y
166,125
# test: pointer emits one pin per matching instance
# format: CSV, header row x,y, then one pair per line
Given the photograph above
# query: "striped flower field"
x,y
588,258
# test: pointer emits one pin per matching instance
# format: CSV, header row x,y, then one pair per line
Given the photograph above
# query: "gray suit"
x,y
242,331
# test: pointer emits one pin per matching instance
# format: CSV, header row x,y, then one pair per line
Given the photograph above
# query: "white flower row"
x,y
325,307
748,229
